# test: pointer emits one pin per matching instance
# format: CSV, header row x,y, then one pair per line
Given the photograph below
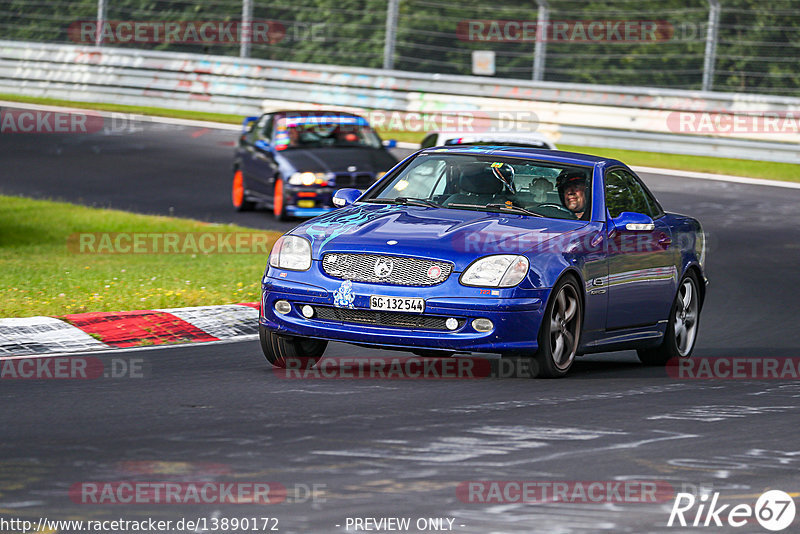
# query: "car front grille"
x,y
354,179
379,269
383,318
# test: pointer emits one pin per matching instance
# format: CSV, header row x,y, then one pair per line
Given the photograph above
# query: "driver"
x,y
572,190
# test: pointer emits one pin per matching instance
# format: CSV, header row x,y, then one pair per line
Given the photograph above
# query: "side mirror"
x,y
390,143
262,145
246,123
345,197
628,221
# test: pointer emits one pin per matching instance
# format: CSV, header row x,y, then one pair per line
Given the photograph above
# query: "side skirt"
x,y
626,339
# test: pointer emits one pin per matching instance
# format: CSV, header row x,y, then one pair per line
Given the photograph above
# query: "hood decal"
x,y
334,224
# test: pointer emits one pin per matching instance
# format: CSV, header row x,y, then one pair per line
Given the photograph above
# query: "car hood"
x,y
460,236
339,159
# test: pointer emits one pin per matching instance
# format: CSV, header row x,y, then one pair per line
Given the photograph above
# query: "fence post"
x,y
391,34
540,50
246,29
711,44
101,21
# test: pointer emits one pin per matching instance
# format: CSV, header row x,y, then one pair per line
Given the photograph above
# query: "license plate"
x,y
305,203
400,304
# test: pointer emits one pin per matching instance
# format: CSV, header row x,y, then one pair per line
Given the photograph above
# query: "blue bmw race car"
x,y
507,250
294,161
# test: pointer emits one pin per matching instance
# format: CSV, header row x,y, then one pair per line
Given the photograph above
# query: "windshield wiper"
x,y
516,209
511,207
406,201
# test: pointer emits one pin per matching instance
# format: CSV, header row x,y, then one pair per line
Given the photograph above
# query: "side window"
x,y
266,131
257,131
624,193
429,141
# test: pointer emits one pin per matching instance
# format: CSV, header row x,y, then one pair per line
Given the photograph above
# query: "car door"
x,y
258,162
642,274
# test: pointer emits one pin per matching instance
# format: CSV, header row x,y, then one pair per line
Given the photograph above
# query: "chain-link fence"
x,y
722,45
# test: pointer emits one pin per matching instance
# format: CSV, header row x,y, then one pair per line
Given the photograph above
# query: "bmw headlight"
x,y
310,178
292,253
502,270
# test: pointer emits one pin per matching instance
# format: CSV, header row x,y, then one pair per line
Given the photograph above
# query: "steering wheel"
x,y
552,205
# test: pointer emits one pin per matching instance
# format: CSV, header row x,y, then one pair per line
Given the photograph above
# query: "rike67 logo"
x,y
774,510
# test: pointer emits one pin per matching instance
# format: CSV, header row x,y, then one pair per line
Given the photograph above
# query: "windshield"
x,y
491,183
324,131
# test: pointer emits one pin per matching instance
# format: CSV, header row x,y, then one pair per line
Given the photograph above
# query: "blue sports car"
x,y
509,250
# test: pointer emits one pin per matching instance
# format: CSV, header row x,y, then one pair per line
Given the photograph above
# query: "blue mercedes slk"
x,y
507,250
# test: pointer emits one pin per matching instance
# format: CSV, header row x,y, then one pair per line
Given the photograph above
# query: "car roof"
x,y
313,112
555,156
500,136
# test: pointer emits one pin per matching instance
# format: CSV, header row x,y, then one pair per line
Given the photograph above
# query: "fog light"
x,y
308,311
283,307
451,324
482,325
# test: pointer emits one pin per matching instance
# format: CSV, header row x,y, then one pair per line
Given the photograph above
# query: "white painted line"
x,y
136,116
408,146
720,177
251,337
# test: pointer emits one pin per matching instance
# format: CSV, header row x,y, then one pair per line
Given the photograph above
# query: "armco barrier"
x,y
589,115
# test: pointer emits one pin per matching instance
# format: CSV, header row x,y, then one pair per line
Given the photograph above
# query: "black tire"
x,y
559,334
238,193
292,352
682,326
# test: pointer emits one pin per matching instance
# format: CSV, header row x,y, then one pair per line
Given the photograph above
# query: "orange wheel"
x,y
238,189
277,201
237,193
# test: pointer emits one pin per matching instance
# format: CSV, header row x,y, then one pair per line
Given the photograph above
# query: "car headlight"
x,y
502,270
310,178
292,253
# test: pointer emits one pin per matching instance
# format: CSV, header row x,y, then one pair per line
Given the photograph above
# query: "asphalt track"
x,y
400,448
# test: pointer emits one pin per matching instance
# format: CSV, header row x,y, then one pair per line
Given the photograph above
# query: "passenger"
x,y
539,188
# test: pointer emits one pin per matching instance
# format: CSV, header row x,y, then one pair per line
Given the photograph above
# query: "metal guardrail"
x,y
589,115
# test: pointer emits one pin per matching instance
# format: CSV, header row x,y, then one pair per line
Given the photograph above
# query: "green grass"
x,y
41,275
737,167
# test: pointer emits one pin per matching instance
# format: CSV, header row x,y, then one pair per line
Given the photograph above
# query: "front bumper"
x,y
516,320
307,201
